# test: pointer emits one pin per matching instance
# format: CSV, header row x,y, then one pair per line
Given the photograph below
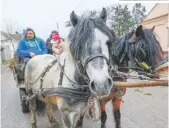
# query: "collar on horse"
x,y
77,93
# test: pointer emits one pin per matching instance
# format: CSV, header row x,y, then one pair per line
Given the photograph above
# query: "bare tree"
x,y
10,27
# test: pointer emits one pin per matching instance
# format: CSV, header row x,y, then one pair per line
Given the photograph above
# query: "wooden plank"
x,y
153,83
162,69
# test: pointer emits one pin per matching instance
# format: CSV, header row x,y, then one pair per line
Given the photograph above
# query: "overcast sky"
x,y
42,15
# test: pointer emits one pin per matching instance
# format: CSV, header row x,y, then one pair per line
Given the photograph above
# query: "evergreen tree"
x,y
120,19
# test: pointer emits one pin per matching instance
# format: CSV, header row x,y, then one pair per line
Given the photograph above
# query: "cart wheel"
x,y
24,105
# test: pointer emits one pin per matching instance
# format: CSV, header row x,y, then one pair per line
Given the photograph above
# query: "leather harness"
x,y
79,92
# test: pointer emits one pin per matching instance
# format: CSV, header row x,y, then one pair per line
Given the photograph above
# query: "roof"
x,y
7,36
160,9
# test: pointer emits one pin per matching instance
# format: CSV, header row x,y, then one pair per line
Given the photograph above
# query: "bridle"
x,y
141,65
82,68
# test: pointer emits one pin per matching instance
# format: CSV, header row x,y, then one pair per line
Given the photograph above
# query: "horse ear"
x,y
139,31
103,15
153,28
73,18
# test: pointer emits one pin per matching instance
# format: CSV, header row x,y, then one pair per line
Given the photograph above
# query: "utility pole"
x,y
57,27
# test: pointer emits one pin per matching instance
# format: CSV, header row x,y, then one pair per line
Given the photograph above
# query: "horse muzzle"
x,y
101,88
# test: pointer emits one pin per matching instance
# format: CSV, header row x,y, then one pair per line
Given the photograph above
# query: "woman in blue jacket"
x,y
31,46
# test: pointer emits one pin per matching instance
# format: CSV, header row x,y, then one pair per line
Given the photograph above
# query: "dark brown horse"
x,y
134,47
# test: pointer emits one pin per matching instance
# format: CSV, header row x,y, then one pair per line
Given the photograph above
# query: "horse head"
x,y
148,48
87,40
137,46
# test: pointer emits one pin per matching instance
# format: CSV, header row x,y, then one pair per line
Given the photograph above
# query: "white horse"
x,y
86,63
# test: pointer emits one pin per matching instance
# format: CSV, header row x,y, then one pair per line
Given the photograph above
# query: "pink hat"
x,y
56,36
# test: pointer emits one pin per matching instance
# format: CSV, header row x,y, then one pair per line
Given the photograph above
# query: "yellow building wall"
x,y
161,29
158,10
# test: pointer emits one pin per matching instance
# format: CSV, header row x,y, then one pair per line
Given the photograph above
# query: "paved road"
x,y
142,108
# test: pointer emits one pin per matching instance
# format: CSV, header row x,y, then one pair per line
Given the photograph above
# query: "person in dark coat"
x,y
48,44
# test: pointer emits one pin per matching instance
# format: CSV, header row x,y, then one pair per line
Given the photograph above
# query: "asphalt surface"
x,y
142,108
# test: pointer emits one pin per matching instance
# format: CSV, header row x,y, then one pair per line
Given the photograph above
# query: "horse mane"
x,y
153,44
120,50
82,34
152,47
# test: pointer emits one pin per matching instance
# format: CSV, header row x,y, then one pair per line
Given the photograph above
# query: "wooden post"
x,y
141,84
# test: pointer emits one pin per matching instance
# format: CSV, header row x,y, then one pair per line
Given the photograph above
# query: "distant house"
x,y
158,17
9,44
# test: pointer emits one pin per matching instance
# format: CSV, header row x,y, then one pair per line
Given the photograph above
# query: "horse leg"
x,y
32,108
74,119
54,100
79,123
50,116
70,120
65,113
116,102
63,121
103,103
103,113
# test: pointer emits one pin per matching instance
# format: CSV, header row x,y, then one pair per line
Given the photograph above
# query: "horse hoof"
x,y
34,125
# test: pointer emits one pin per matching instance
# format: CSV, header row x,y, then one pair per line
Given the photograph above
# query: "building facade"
x,y
158,17
9,44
